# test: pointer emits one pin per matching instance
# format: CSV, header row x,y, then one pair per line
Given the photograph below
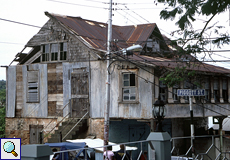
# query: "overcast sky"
x,y
14,36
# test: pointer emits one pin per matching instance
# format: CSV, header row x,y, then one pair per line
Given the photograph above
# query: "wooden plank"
x,y
79,96
55,97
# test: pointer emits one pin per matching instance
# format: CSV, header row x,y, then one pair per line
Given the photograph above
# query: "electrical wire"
x,y
12,43
170,91
118,39
78,4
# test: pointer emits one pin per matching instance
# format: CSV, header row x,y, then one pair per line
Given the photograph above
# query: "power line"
x,y
77,4
12,43
104,40
137,14
169,91
20,23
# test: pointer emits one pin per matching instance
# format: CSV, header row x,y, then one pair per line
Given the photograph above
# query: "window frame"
x,y
56,54
174,92
33,86
122,87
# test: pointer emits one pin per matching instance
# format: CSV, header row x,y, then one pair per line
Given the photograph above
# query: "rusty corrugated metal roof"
x,y
95,33
172,63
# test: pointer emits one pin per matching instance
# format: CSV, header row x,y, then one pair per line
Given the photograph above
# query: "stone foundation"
x,y
20,127
97,128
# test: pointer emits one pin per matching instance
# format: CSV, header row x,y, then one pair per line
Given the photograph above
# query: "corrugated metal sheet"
x,y
95,33
172,63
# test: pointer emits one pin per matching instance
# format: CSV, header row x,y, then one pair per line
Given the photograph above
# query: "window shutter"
x,y
32,86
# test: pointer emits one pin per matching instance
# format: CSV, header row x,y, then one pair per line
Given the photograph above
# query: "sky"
x,y
14,36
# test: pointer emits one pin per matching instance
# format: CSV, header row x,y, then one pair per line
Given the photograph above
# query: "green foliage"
x,y
2,121
193,42
2,107
175,76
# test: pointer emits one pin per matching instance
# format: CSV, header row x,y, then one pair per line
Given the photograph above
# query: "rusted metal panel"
x,y
95,33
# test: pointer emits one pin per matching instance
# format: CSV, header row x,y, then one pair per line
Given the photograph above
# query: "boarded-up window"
x,y
32,86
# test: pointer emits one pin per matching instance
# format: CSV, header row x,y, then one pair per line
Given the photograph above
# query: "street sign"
x,y
189,92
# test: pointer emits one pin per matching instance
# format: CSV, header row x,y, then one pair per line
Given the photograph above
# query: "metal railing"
x,y
187,156
207,154
74,126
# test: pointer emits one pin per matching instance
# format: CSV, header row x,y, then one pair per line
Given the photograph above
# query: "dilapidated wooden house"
x,y
63,78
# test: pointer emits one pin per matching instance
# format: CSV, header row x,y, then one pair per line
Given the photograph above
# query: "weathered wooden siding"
x,y
140,110
19,93
55,89
53,32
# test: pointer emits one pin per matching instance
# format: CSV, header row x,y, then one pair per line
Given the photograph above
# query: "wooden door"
x,y
79,92
35,133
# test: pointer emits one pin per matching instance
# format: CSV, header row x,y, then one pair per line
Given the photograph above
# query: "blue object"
x,y
8,146
68,146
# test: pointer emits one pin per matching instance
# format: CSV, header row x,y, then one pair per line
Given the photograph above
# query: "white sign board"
x,y
189,92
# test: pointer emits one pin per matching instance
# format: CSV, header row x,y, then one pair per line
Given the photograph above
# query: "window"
x,y
225,90
129,87
54,52
45,52
32,86
207,89
63,51
175,88
163,91
216,89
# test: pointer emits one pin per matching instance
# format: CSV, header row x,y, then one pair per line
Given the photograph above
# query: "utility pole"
x,y
192,125
107,108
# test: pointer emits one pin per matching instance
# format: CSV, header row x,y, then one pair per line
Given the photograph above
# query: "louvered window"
x,y
32,86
